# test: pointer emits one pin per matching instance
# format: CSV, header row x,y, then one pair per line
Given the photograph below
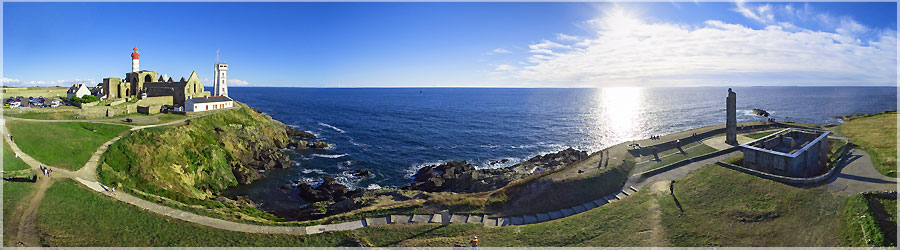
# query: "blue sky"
x,y
458,44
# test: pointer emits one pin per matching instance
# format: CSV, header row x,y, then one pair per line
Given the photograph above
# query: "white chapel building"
x,y
220,99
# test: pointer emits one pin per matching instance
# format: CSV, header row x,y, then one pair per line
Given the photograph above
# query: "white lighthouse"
x,y
135,65
220,88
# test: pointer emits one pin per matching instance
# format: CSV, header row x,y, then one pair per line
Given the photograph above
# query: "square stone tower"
x,y
220,87
731,118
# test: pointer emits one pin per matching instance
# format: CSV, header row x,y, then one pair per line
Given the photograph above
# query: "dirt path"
x,y
27,232
657,232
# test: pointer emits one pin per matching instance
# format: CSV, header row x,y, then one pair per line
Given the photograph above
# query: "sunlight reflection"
x,y
621,113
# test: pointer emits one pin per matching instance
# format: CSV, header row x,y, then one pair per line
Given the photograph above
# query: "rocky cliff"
x,y
460,176
203,156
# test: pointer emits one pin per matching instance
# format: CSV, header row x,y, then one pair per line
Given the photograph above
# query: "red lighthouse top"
x,y
135,55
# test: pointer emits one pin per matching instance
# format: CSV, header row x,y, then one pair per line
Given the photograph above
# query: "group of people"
x,y
47,171
654,137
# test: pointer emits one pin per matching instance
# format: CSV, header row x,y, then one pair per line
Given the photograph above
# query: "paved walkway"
x,y
860,175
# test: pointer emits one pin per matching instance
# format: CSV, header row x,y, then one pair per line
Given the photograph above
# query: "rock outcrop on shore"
x,y
328,190
460,176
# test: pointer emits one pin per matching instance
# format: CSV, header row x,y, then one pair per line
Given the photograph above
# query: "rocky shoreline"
x,y
328,197
462,177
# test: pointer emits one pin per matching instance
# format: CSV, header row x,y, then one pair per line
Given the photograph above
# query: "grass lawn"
x,y
623,223
64,113
761,134
10,162
723,207
71,215
62,144
672,156
34,92
869,221
877,135
13,193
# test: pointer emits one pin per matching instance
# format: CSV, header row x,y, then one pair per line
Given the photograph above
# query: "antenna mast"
x,y
217,55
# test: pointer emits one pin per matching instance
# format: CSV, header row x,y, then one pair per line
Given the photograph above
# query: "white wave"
x,y
329,156
312,170
373,187
344,164
357,144
489,146
332,127
490,163
347,178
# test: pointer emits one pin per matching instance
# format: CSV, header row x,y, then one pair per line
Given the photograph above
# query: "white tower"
x,y
220,88
135,66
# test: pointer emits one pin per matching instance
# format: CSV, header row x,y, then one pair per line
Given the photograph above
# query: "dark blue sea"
x,y
394,131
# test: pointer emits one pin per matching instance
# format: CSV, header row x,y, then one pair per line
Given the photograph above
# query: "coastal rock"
x,y
328,190
319,144
459,176
499,161
293,132
299,144
362,173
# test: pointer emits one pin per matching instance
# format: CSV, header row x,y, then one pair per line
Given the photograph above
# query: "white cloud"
x,y
237,82
568,38
505,67
762,13
64,83
498,51
628,51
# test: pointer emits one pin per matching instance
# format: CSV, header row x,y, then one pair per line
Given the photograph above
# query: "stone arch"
x,y
148,78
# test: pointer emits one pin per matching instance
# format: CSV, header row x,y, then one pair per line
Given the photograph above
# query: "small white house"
x,y
198,104
78,89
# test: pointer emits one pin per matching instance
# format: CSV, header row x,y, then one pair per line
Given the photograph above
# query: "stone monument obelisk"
x,y
731,118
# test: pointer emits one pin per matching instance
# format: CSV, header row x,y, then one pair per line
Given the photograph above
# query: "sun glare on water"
x,y
620,113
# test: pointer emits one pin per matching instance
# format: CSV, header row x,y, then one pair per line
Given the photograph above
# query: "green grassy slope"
x,y
723,207
62,144
10,162
192,161
71,215
13,194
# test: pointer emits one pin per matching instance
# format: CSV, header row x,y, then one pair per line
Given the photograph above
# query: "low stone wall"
x,y
684,162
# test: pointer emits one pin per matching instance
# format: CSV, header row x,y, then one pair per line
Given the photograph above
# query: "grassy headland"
x,y
193,161
62,144
877,135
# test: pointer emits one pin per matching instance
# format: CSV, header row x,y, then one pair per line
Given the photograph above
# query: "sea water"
x,y
393,131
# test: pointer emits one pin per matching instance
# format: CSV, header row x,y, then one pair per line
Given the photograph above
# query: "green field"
x,y
877,135
869,221
761,134
674,155
71,215
10,162
34,91
723,207
62,144
13,193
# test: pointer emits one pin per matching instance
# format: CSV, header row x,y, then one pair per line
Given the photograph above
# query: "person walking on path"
x,y
50,172
474,242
